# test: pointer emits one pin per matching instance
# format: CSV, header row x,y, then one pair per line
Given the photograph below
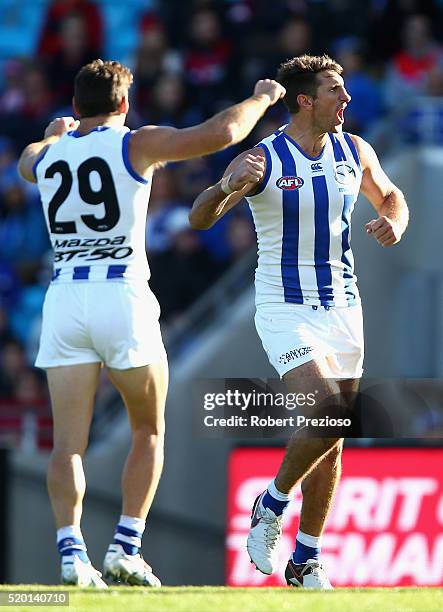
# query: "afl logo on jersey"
x,y
289,183
344,173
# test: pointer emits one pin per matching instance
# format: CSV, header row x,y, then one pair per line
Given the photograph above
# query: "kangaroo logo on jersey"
x,y
289,183
344,173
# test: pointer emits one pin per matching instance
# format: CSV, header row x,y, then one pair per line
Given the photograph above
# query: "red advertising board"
x,y
385,529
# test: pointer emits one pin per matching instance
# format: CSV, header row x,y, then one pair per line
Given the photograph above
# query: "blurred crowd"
x,y
189,59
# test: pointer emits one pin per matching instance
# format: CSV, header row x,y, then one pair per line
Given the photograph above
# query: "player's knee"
x,y
62,466
149,436
66,450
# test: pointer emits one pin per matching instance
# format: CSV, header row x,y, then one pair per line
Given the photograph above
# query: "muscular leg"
x,y
303,454
318,490
320,485
301,457
144,393
72,390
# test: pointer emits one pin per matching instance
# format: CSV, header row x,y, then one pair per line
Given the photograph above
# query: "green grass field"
x,y
224,599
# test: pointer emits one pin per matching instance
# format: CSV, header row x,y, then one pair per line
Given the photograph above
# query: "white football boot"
x,y
78,573
309,575
264,536
128,569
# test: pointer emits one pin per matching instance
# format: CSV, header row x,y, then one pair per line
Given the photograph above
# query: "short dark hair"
x,y
299,76
100,87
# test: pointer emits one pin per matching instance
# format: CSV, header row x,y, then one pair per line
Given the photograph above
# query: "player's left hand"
x,y
386,231
59,126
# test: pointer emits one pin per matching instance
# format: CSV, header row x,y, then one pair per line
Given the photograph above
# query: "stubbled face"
x,y
330,102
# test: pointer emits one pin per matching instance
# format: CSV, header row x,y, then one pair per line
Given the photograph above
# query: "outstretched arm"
x,y
242,176
32,152
387,199
152,144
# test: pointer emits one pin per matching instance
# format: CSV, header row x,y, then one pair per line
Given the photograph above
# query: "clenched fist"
x,y
250,170
59,126
274,90
386,231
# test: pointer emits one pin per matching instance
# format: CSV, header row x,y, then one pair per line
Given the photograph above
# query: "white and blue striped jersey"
x,y
95,207
302,214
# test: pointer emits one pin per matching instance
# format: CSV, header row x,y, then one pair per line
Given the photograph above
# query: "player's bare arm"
x,y
152,144
387,199
33,151
243,175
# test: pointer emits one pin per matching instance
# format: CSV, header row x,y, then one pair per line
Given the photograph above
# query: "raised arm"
x,y
152,144
35,150
242,176
387,199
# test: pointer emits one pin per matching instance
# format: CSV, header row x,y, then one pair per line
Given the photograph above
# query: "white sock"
x,y
70,531
276,494
132,522
309,540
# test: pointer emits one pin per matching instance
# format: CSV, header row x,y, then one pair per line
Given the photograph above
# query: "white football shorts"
x,y
109,322
293,334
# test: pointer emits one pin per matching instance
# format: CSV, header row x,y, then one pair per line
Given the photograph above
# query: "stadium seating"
x,y
122,26
20,23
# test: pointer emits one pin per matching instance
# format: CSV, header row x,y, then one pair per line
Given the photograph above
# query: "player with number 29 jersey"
x,y
99,306
95,207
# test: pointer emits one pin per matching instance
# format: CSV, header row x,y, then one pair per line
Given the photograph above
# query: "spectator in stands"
x,y
366,103
12,97
294,38
165,197
187,262
73,53
30,388
9,286
154,57
385,28
38,98
12,363
240,235
424,123
8,159
338,18
20,218
269,22
52,37
264,54
38,106
208,61
28,306
169,104
25,104
410,67
193,176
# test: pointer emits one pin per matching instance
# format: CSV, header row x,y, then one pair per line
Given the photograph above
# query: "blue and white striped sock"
x,y
275,499
306,547
70,542
129,534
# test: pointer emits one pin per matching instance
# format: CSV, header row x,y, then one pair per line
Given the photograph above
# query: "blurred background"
x,y
190,60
